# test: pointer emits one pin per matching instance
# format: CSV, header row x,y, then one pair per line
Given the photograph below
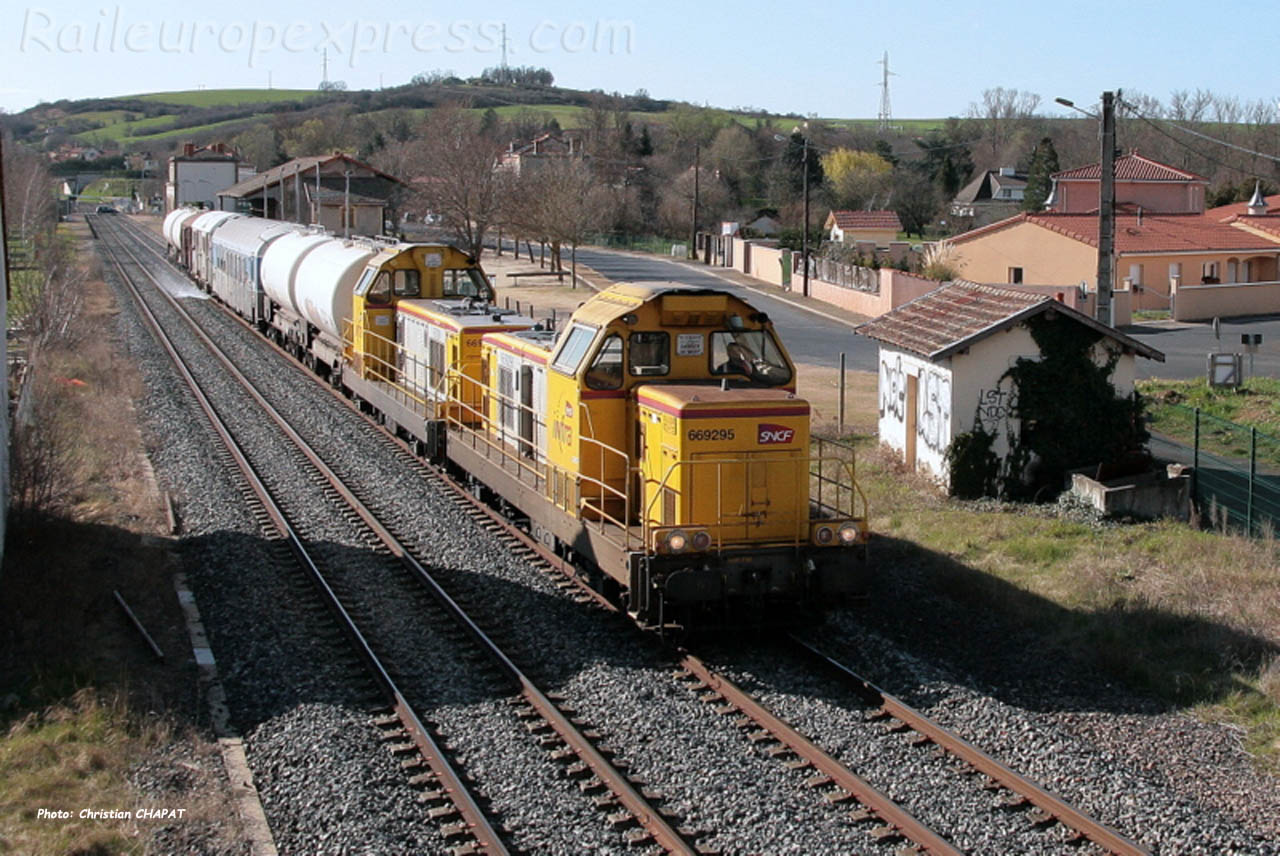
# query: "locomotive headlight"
x,y
824,535
701,541
848,533
677,541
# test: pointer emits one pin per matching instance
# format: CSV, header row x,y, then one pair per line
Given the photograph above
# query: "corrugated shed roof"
x,y
1131,167
297,165
867,220
955,316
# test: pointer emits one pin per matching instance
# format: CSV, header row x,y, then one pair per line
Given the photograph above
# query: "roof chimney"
x,y
1258,204
1052,200
188,149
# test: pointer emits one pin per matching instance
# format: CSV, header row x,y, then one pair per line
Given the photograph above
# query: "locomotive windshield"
x,y
467,282
754,354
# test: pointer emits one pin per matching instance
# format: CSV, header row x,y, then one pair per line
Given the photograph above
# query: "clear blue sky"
x,y
808,57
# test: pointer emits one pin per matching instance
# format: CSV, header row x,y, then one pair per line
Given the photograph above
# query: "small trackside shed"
x,y
944,359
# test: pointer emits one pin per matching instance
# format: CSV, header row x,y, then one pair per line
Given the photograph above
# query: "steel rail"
x,y
630,798
838,774
478,825
1052,806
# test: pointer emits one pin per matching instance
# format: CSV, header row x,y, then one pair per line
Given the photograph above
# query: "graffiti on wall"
x,y
995,408
933,423
893,389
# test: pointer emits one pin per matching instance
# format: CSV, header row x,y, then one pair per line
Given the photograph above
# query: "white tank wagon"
x,y
326,277
237,248
280,266
177,233
202,229
172,228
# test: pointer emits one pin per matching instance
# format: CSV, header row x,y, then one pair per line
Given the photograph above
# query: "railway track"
x,y
837,785
1043,809
628,809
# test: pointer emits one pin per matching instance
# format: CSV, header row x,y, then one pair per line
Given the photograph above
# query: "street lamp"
x,y
1103,311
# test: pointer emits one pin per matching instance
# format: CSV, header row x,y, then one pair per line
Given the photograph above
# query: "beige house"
x,y
525,158
848,227
1189,263
943,359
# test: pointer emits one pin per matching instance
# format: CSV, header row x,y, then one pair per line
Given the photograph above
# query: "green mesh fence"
x,y
1237,473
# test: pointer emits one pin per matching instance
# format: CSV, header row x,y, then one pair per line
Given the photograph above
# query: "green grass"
x,y
908,126
226,97
111,188
1185,615
75,755
1254,404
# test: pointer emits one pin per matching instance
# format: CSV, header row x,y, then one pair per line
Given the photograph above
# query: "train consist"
x,y
656,441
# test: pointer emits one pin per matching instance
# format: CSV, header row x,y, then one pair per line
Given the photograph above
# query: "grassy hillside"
x,y
227,97
157,118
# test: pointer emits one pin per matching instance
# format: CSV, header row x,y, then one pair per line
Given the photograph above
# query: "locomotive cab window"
x,y
574,348
650,353
467,282
606,368
380,291
407,283
753,354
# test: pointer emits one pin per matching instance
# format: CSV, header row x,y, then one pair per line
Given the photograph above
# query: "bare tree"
x,y
457,175
28,193
560,202
1001,114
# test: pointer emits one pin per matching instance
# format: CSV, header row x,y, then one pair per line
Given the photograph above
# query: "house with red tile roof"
x,y
1192,264
851,226
1140,183
1256,206
944,358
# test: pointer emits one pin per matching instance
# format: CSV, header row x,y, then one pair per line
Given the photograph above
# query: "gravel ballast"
x,y
1173,784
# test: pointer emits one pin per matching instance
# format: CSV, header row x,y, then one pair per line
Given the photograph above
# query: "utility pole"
x,y
693,218
1106,210
804,240
346,206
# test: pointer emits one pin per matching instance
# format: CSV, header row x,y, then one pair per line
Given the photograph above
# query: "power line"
x,y
1216,161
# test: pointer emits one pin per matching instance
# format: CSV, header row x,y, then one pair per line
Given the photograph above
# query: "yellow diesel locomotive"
x,y
656,441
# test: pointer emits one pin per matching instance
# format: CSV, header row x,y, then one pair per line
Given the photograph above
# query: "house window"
x,y
1209,272
1015,275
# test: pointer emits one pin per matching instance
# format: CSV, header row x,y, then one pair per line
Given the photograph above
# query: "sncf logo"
x,y
770,434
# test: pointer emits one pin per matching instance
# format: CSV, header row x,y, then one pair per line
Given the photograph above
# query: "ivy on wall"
x,y
1068,413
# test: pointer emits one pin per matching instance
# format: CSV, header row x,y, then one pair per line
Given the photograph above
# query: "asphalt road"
x,y
1186,346
819,338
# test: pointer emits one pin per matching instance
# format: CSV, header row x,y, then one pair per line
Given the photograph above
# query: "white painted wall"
x,y
198,182
953,393
933,408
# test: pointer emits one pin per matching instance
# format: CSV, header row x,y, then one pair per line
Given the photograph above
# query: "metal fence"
x,y
1236,481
